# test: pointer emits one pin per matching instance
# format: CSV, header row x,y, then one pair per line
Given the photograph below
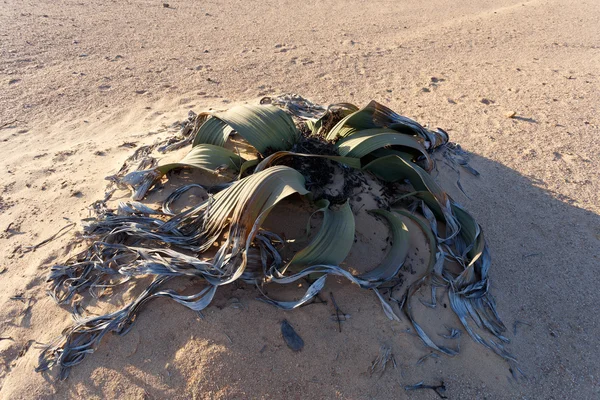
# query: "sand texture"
x,y
516,83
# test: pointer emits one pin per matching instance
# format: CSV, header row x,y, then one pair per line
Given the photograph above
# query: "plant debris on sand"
x,y
331,156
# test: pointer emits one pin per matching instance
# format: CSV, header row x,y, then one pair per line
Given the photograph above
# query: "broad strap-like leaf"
x,y
239,206
431,242
393,261
365,142
275,157
213,131
376,115
204,156
470,233
260,193
264,127
433,209
334,110
394,168
332,243
245,200
208,157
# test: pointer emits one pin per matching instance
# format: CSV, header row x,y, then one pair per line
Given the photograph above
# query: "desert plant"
x,y
298,145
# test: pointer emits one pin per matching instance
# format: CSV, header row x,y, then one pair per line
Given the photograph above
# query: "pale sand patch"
x,y
77,79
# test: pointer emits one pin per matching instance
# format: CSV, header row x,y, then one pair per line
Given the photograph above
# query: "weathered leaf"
x,y
393,168
85,335
470,233
229,221
387,309
166,206
407,308
432,209
292,339
312,291
135,207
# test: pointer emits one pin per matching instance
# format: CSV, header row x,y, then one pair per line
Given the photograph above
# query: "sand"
x,y
79,79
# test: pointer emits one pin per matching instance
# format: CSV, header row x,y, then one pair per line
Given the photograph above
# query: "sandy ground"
x,y
78,79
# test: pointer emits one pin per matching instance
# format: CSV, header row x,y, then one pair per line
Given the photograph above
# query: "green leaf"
x,y
213,131
241,205
248,164
365,142
332,243
470,233
247,198
314,125
247,203
264,127
431,241
207,157
339,110
376,115
275,157
380,153
394,168
393,261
